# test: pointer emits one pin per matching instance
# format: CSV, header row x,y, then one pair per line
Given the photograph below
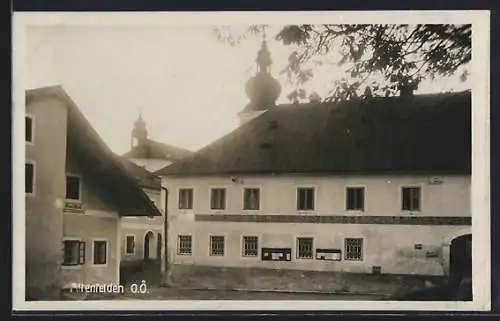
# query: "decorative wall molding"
x,y
336,219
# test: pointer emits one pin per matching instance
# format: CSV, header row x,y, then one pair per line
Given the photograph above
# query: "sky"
x,y
188,86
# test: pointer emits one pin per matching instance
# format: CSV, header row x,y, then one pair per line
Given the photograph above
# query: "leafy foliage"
x,y
378,60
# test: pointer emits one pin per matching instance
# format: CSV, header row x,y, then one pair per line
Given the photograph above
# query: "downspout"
x,y
166,271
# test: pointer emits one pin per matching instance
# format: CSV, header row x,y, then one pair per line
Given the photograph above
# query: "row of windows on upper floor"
x,y
355,198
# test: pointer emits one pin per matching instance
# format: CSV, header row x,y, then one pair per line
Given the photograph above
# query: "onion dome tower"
x,y
139,133
263,90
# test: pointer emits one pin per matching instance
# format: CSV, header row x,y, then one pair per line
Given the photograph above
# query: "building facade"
x,y
72,217
143,236
375,186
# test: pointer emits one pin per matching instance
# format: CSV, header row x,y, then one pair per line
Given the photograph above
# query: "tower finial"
x,y
264,60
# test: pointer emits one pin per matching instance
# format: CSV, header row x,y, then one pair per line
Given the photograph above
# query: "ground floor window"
x,y
184,245
130,244
216,245
100,252
74,252
353,249
304,248
250,246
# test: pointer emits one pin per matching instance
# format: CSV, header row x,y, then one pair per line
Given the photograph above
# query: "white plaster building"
x,y
77,192
376,186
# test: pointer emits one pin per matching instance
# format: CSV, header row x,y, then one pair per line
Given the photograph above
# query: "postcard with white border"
x,y
251,161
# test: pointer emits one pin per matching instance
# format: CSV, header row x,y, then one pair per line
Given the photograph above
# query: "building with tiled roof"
x,y
77,193
319,190
143,236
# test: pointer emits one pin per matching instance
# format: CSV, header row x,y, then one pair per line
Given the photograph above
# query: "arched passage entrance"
x,y
460,259
148,242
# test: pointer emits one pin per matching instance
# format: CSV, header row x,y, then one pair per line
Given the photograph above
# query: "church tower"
x,y
139,133
262,89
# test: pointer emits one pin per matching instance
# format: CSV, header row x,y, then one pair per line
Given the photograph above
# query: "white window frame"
x,y
242,246
178,243
80,187
179,199
365,203
363,249
226,199
243,199
32,141
400,205
75,266
210,245
33,185
315,199
126,245
107,252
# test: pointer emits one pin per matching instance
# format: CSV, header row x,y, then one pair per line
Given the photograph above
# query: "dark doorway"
x,y
158,247
461,262
147,244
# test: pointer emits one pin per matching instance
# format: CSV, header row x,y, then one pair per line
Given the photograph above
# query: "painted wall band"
x,y
334,219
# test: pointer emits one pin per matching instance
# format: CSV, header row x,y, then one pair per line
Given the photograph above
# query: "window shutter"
x,y
81,256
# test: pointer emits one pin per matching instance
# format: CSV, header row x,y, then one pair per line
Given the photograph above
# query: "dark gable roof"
x,y
422,134
151,149
144,178
97,160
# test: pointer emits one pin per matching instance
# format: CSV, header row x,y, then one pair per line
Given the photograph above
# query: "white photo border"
x,y
480,181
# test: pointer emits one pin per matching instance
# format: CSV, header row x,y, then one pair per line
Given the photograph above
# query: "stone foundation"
x,y
231,278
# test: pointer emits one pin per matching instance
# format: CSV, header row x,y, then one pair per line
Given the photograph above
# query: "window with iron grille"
x,y
355,199
411,198
186,199
353,249
250,246
251,199
216,245
73,187
305,199
184,245
74,252
100,249
304,248
130,244
218,199
29,178
29,129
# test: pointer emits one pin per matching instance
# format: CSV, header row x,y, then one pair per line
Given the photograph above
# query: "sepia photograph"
x,y
177,161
